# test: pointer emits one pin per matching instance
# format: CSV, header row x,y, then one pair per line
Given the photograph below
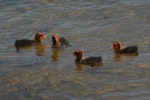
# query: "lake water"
x,y
40,73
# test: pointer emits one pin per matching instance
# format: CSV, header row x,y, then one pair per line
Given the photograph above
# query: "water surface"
x,y
40,73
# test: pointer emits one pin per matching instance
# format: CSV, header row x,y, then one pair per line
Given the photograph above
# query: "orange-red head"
x,y
116,45
39,36
78,54
55,38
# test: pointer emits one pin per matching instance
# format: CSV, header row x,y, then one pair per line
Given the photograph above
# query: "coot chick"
x,y
92,61
27,42
59,42
127,50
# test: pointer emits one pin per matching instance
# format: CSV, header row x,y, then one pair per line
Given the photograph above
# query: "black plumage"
x,y
92,61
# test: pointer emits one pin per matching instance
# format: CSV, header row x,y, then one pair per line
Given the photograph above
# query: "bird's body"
x,y
24,42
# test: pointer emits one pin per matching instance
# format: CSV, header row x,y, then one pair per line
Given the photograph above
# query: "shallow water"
x,y
40,72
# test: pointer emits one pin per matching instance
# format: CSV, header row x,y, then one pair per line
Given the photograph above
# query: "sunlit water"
x,y
41,73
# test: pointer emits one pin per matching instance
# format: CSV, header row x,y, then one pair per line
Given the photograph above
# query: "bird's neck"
x,y
117,50
56,43
79,58
38,41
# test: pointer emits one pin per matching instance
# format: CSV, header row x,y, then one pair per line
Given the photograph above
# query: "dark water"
x,y
39,73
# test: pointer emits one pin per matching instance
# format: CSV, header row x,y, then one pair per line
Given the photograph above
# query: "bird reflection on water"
x,y
55,55
91,69
117,57
78,67
39,49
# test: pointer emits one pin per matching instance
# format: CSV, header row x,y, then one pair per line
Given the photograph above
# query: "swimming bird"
x,y
28,42
59,42
92,61
127,50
